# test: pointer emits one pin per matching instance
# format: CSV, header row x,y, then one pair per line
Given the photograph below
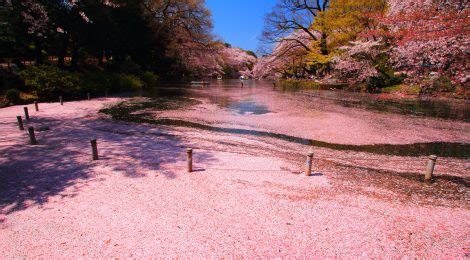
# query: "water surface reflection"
x,y
230,94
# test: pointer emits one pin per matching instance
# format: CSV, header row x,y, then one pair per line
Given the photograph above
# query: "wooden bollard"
x,y
88,95
94,149
242,84
20,123
61,100
308,170
428,174
189,151
32,136
36,106
26,113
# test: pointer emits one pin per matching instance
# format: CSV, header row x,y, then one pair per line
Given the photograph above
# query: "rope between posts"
x,y
189,151
235,169
238,153
368,159
235,154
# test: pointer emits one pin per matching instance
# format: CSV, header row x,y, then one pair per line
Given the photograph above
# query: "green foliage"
x,y
318,62
294,84
413,89
386,76
403,88
149,79
440,84
125,66
228,45
13,96
393,89
97,82
49,82
128,82
10,81
102,82
251,53
443,84
229,72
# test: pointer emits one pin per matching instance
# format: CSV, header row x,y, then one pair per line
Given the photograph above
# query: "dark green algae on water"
x,y
139,111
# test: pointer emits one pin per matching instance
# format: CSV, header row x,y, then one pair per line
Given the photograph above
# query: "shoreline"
x,y
399,92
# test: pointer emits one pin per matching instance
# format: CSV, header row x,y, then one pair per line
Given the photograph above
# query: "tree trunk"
x,y
323,46
101,58
75,52
9,65
63,50
38,51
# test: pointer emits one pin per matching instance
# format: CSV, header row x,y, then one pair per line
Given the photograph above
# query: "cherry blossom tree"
x,y
430,39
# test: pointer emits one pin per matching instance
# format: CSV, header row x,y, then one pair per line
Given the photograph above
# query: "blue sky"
x,y
239,22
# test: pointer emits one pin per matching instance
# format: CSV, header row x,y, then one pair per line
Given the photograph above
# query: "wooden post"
x,y
242,84
428,174
88,95
308,170
36,106
94,149
26,113
32,136
20,123
189,151
61,101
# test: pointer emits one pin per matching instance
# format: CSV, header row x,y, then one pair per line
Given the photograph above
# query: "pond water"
x,y
242,107
221,91
445,109
332,119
